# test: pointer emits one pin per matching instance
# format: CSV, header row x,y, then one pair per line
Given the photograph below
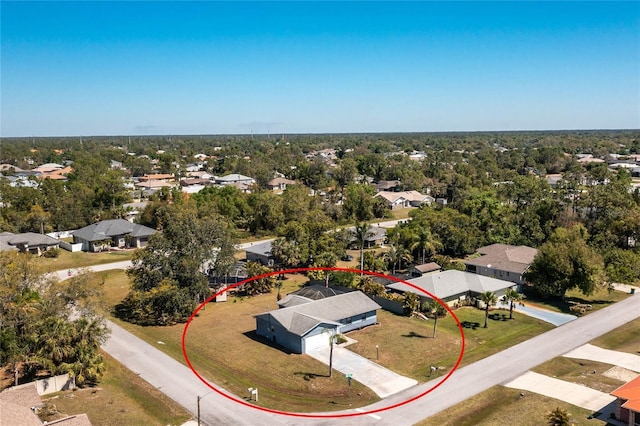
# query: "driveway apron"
x,y
382,381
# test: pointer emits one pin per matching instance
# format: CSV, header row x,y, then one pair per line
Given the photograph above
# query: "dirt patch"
x,y
621,374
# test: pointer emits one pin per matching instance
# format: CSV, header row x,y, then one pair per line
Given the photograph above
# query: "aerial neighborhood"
x,y
324,252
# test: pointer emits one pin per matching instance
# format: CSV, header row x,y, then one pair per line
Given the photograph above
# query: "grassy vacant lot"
x,y
624,339
80,259
598,300
406,344
499,406
223,347
122,398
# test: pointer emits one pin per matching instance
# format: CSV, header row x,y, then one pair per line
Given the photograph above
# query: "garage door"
x,y
316,341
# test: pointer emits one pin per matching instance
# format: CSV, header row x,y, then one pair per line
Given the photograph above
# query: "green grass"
x,y
498,403
498,406
122,398
601,298
580,371
407,347
223,347
625,338
80,259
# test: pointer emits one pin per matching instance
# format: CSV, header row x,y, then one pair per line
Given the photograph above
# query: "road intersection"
x,y
179,383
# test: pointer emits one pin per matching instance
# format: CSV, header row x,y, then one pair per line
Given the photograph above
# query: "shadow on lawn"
x,y
498,317
414,334
254,336
469,324
309,376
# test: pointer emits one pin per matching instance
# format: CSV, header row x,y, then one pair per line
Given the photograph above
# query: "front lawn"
x,y
601,298
80,259
407,347
223,347
625,338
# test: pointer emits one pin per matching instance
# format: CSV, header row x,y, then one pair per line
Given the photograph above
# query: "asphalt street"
x,y
179,383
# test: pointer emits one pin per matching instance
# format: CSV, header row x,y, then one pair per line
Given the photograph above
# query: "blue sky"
x,y
131,68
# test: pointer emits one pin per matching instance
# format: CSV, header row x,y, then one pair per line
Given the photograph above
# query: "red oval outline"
x,y
315,415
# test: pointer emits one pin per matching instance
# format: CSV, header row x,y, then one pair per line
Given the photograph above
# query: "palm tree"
x,y
489,299
361,232
513,298
436,310
396,255
411,302
425,243
559,417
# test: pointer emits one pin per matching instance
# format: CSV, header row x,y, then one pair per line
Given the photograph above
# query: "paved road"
x,y
178,383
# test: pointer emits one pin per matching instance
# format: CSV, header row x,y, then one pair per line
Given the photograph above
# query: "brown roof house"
x,y
502,261
307,326
628,402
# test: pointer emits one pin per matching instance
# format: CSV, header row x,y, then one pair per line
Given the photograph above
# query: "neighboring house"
x,y
280,183
425,268
387,185
308,294
308,326
377,237
503,261
235,178
452,287
18,404
404,199
27,242
112,233
132,210
260,252
628,403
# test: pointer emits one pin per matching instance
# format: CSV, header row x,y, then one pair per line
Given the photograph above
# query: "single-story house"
x,y
377,236
280,183
628,402
17,407
27,242
502,261
387,185
425,268
403,199
453,286
260,252
235,178
308,326
112,233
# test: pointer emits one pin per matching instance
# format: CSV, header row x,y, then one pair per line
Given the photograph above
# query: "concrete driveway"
x,y
572,393
595,353
555,318
382,381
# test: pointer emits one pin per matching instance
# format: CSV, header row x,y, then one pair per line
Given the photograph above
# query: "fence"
x,y
55,384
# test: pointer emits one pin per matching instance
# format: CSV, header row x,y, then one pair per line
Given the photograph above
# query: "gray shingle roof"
x,y
260,248
9,241
451,283
300,319
110,228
